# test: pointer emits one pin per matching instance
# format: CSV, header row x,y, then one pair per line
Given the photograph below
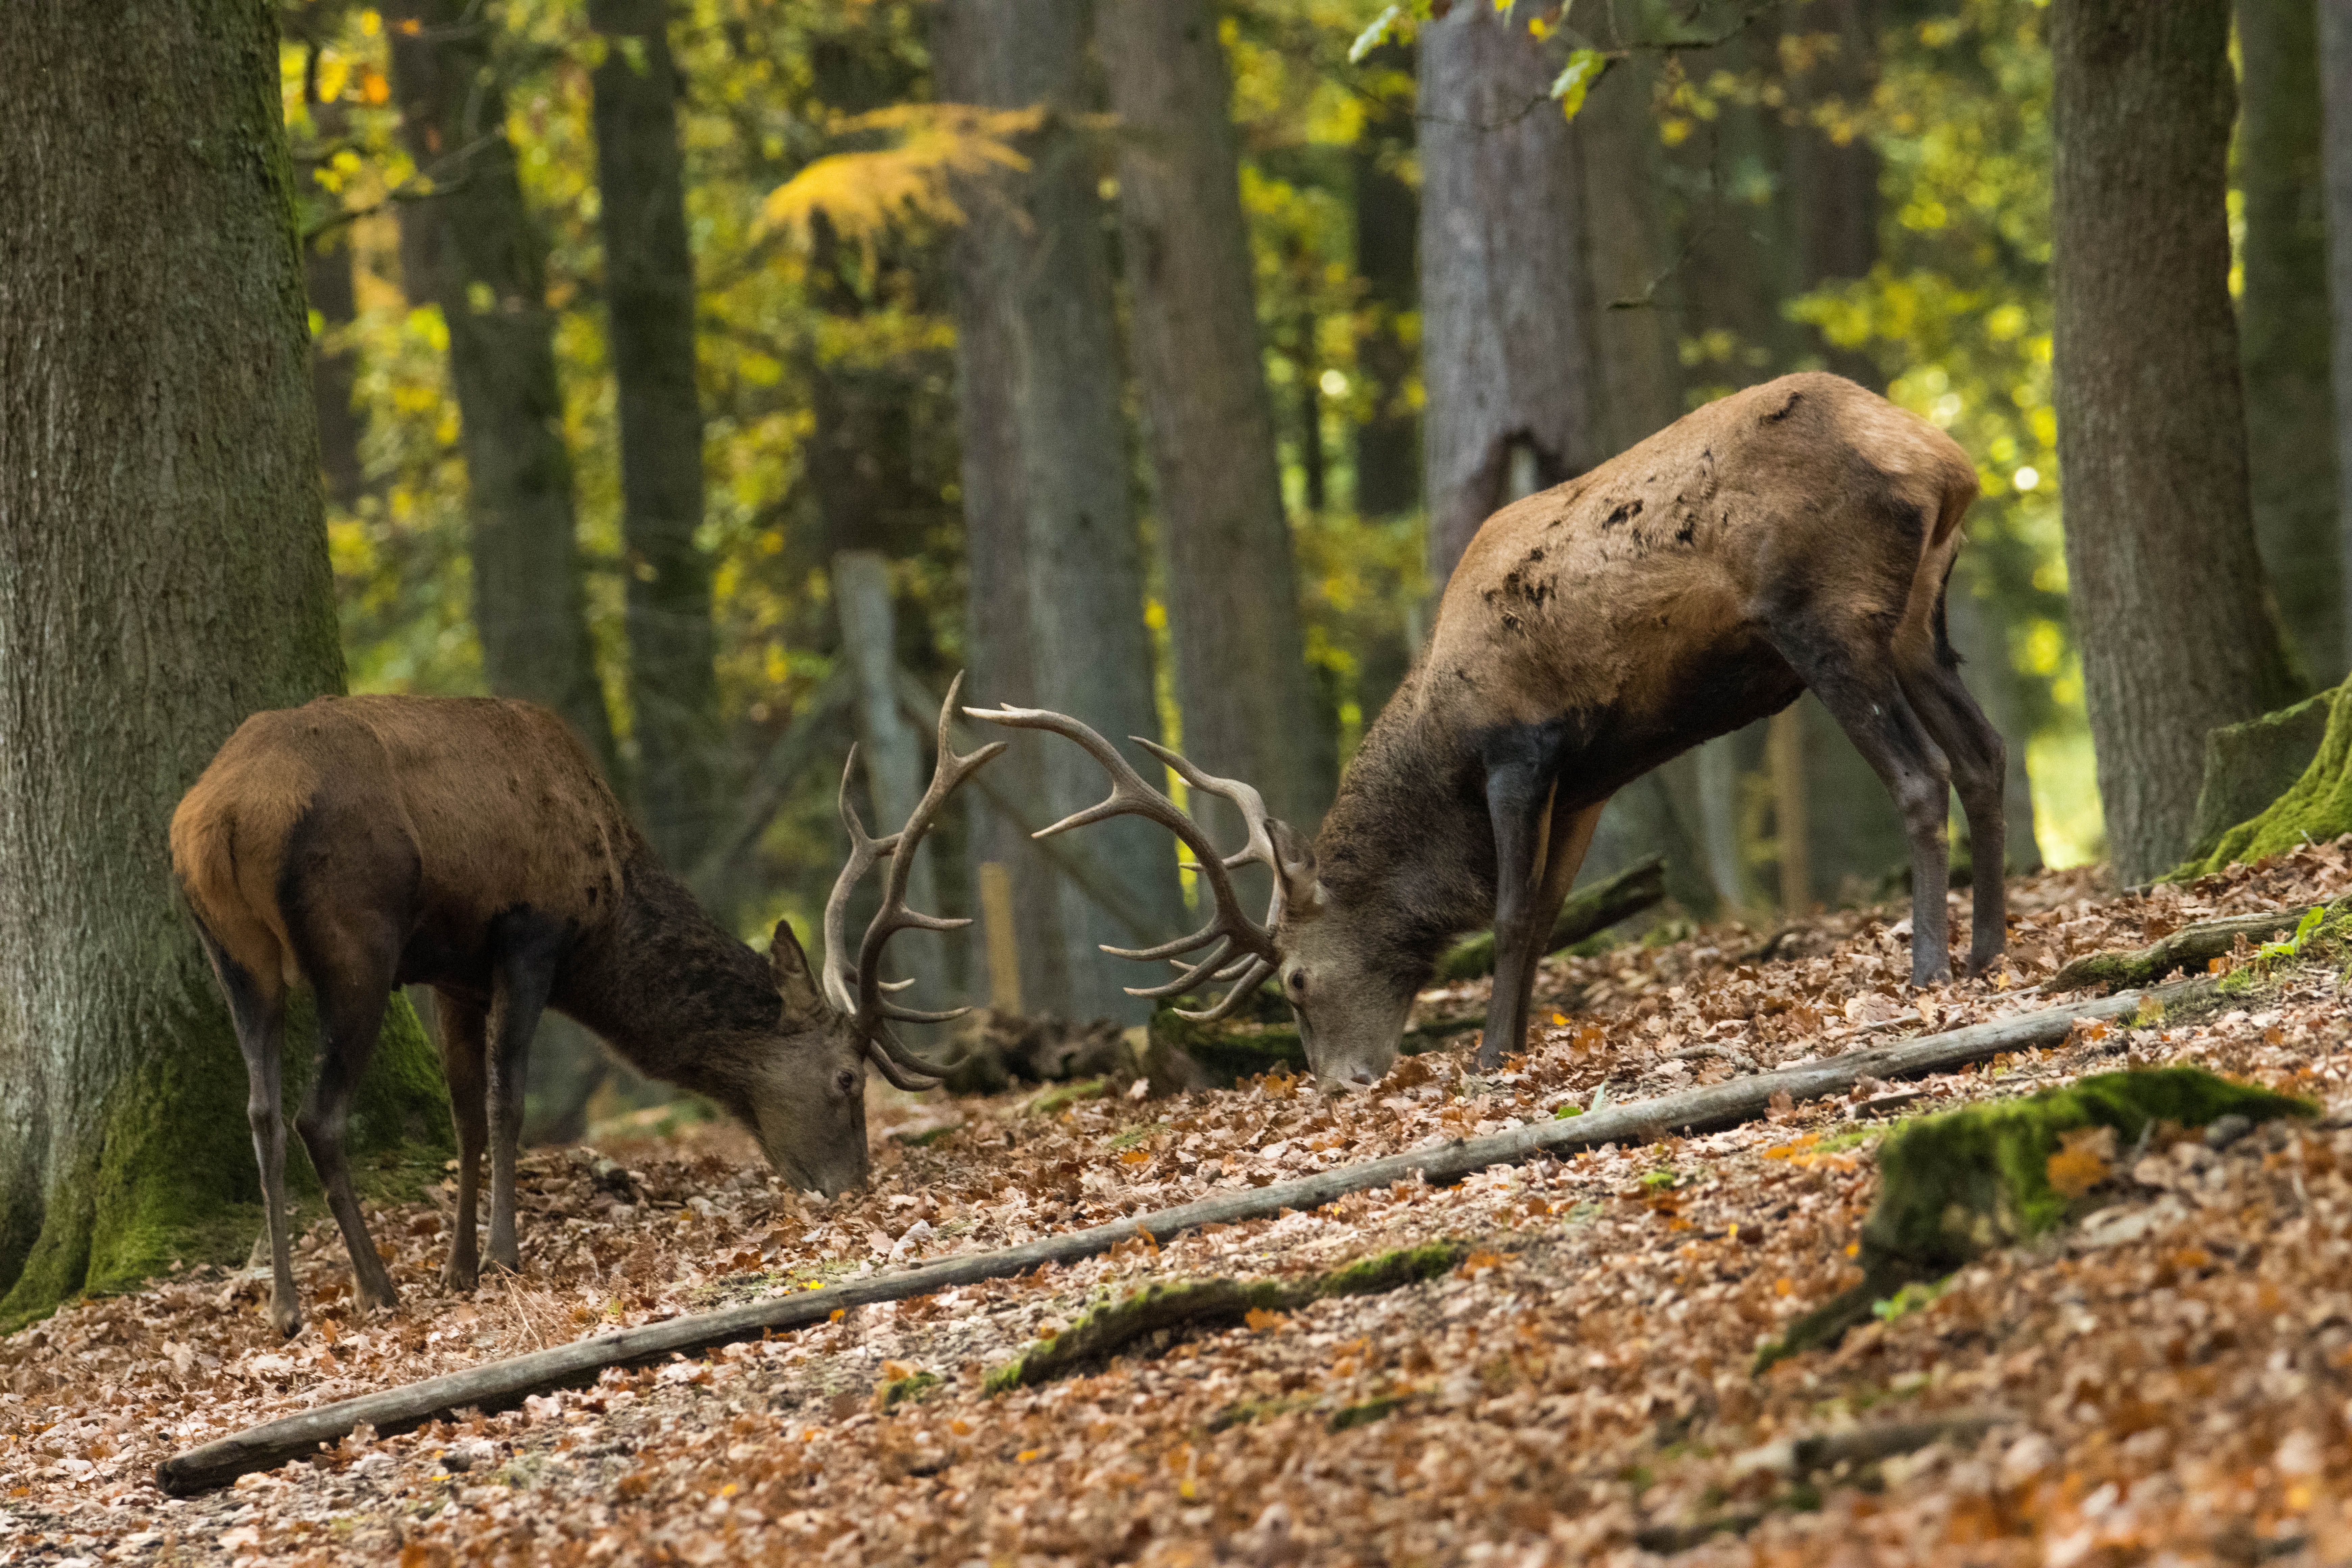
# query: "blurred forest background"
x,y
729,373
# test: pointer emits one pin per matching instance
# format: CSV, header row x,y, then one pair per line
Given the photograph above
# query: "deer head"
x,y
1350,1015
809,1108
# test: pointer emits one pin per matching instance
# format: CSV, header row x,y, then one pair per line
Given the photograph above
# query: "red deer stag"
x,y
469,843
1794,535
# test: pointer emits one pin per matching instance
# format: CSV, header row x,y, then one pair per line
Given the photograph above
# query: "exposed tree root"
x,y
2191,947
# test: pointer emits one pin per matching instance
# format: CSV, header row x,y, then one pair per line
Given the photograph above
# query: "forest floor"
x,y
2166,1381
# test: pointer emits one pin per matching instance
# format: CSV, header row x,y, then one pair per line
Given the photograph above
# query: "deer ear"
x,y
795,983
1302,893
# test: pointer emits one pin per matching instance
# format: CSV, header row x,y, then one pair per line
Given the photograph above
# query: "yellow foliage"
x,y
863,193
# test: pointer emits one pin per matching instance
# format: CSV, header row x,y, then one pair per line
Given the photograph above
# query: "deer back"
x,y
437,813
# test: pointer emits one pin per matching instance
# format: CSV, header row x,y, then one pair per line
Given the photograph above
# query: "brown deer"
x,y
469,843
1795,535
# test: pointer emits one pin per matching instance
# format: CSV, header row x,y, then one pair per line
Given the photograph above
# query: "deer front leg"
x,y
463,1035
526,946
1520,807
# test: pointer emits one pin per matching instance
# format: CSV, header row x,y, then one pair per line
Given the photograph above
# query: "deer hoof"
x,y
285,1317
460,1279
377,1297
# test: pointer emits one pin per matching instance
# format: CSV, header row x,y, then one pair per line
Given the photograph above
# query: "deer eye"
x,y
847,1082
1298,982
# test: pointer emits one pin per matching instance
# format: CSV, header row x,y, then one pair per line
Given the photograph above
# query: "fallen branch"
x,y
2191,947
504,1383
1588,911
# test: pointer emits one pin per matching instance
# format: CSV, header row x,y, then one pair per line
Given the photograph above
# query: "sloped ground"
x,y
2169,1380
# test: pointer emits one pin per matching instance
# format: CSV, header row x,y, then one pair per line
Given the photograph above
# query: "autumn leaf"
x,y
862,194
1262,1321
2083,1162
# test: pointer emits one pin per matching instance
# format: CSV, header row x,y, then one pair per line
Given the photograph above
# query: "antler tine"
x,y
899,1076
1169,950
1257,971
840,978
1255,818
871,1011
1218,956
1132,796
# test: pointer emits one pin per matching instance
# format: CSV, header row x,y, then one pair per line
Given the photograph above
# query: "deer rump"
x,y
352,822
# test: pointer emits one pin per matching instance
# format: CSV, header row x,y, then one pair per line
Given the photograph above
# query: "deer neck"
x,y
1406,853
671,990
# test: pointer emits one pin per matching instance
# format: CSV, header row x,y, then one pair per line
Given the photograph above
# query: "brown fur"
x,y
1798,533
357,843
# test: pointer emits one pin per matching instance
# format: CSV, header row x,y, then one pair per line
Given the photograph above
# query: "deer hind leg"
x,y
1569,837
351,993
256,1005
1979,760
1862,692
525,948
462,1032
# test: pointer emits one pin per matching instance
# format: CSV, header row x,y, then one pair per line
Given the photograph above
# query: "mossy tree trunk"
x,y
163,575
2166,583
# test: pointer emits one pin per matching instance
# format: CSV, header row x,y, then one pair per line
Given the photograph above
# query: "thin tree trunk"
x,y
2162,568
1053,534
649,291
484,263
1832,184
891,752
2290,413
2335,94
1387,211
163,575
327,281
1249,705
1507,343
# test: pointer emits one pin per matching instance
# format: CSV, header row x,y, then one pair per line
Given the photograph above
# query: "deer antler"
x,y
858,990
1240,950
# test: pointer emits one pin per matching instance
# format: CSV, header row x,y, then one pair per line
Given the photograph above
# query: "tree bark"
x,y
2335,159
1387,212
649,294
327,281
2290,411
1248,702
1507,340
475,253
2164,576
1045,438
163,575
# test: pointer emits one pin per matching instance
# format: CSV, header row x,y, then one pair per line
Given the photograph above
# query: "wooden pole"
x,y
504,1383
1003,944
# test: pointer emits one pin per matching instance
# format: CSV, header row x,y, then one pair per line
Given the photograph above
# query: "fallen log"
x,y
502,1385
1589,911
2191,947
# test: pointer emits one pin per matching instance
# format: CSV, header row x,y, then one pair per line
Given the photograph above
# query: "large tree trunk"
x,y
483,261
327,281
1249,704
2164,576
649,292
2335,94
1507,341
1051,529
163,575
2290,413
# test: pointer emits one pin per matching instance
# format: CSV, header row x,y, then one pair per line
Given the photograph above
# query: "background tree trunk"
x,y
1507,343
2290,413
163,575
2335,94
484,263
327,281
1034,280
649,294
474,251
1249,706
1387,221
2164,580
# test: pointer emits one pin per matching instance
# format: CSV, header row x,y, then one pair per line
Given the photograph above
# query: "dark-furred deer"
x,y
469,843
1794,535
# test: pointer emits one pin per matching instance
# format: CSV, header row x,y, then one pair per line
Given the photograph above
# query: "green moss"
x,y
1137,1133
2316,807
1365,1413
173,1178
1956,1186
1393,1270
1250,1410
914,1386
1063,1096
